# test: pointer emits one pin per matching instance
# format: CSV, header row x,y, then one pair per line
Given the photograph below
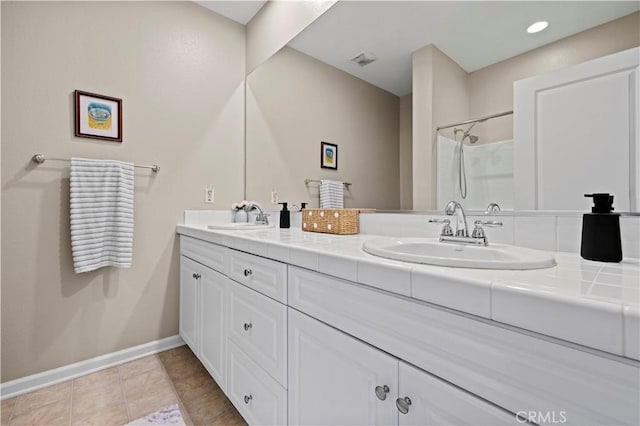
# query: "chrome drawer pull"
x,y
247,272
196,276
403,404
247,326
381,392
247,399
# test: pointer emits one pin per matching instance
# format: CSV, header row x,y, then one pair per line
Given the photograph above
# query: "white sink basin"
x,y
238,226
434,252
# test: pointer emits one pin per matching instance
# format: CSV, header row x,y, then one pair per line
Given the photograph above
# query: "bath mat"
x,y
167,416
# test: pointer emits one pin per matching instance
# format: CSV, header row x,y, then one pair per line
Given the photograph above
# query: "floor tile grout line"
x,y
124,395
175,391
13,410
71,401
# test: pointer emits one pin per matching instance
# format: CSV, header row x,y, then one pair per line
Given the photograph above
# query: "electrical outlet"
x,y
208,195
274,197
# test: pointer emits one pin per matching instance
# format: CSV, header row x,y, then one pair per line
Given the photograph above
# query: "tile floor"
x,y
121,394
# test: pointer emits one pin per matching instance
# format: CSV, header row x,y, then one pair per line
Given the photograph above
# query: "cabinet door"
x,y
189,274
333,377
426,400
213,287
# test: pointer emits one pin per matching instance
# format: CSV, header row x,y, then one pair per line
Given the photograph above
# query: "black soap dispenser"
x,y
285,216
601,231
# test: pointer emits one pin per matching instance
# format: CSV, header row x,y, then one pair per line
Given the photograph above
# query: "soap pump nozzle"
x,y
602,202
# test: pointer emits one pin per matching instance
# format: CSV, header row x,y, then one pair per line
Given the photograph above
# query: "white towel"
x,y
101,214
331,194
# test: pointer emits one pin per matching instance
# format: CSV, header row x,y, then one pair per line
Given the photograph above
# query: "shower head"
x,y
473,139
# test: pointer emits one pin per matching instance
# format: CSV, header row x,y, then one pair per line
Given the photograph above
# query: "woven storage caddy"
x,y
332,221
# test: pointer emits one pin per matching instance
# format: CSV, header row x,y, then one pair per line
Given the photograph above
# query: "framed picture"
x,y
328,155
98,116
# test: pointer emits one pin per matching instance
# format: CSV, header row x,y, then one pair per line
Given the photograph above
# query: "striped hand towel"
x,y
101,214
331,194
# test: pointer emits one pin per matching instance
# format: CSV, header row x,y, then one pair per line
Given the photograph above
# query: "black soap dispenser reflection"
x,y
601,231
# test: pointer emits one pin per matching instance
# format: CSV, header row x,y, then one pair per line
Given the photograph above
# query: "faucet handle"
x,y
447,221
446,229
492,208
489,223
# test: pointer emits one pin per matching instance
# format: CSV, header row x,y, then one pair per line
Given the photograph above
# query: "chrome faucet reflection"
x,y
262,217
461,236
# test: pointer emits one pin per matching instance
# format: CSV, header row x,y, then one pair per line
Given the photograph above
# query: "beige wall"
x,y
276,24
491,88
179,69
293,103
440,96
406,163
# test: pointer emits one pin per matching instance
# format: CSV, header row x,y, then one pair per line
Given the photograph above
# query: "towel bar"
x,y
39,158
307,181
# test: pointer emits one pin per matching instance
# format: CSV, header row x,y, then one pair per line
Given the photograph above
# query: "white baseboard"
x,y
71,371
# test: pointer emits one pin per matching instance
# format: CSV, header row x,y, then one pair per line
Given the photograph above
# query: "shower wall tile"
x,y
569,234
630,233
536,232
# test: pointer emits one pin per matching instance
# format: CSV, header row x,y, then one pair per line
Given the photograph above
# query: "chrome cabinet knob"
x,y
247,326
248,398
247,272
381,392
403,404
196,276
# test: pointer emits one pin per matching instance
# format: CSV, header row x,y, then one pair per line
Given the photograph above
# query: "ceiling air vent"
x,y
364,58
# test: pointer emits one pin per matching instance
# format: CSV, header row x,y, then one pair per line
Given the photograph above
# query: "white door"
x,y
333,377
576,132
426,400
213,287
189,276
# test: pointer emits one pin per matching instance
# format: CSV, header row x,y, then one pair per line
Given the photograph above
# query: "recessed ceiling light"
x,y
536,27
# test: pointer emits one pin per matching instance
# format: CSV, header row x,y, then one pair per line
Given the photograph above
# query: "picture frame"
x,y
98,116
328,155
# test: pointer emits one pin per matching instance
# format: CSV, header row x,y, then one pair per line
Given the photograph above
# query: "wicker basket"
x,y
332,221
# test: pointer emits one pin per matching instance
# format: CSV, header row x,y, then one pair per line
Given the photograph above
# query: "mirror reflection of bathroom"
x,y
474,166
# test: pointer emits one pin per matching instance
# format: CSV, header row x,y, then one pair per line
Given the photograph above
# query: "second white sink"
x,y
433,252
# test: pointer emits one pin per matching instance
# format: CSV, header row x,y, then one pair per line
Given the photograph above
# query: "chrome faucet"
x,y
262,217
454,207
461,236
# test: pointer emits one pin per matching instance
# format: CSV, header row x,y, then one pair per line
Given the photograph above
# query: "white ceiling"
x,y
475,34
239,10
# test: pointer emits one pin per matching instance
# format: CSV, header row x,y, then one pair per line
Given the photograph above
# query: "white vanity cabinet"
x,y
232,318
202,315
190,273
333,377
337,379
427,400
289,345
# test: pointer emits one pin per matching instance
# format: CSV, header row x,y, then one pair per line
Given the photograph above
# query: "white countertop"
x,y
593,304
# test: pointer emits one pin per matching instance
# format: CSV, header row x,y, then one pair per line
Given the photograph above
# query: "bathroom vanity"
x,y
302,328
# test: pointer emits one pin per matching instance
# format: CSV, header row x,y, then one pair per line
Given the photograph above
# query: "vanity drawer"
x,y
206,253
516,370
264,275
256,395
258,326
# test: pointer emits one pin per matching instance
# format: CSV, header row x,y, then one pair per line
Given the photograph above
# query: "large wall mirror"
x,y
388,82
